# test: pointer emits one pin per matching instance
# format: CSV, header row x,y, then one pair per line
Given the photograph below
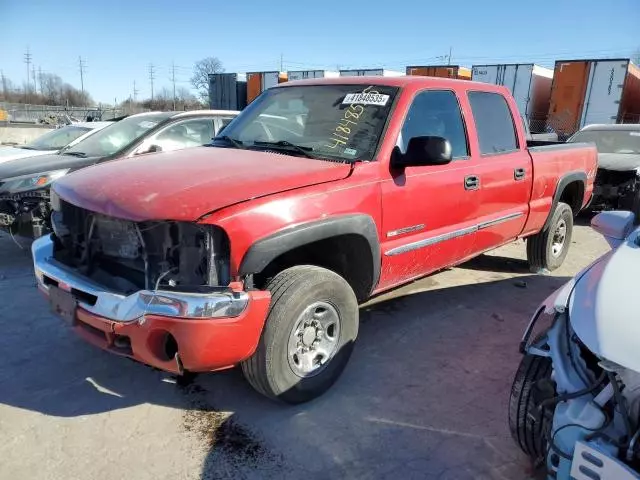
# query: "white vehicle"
x,y
575,399
52,141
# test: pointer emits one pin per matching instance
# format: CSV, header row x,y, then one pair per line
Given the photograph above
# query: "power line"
x,y
82,66
151,78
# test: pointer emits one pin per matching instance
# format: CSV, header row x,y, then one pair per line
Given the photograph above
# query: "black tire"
x,y
540,247
293,290
529,434
635,207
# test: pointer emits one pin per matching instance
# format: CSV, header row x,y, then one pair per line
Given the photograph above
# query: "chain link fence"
x,y
55,115
565,125
631,118
561,125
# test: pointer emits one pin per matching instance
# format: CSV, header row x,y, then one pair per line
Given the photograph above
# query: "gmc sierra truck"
x,y
257,249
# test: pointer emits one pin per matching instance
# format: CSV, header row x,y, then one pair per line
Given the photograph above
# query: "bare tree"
x,y
200,77
53,91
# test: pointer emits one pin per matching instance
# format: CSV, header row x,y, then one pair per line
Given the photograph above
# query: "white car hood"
x,y
604,307
14,153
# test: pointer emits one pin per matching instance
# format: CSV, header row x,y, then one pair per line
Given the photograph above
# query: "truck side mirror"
x,y
427,150
615,226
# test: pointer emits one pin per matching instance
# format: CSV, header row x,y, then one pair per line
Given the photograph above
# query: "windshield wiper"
x,y
75,154
288,146
232,141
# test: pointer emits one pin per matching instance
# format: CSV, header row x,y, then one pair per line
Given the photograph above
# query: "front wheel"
x,y
528,428
546,250
308,337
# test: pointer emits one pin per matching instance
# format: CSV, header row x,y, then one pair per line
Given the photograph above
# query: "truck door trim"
x,y
450,235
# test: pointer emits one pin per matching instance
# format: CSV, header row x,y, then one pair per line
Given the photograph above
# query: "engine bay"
x,y
127,256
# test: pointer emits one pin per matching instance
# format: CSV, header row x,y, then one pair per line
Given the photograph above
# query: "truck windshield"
x,y
611,141
115,137
343,122
56,139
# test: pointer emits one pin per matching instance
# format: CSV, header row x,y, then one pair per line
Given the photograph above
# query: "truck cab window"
x,y
435,113
494,123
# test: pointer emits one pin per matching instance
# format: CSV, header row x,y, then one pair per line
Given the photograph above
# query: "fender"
x,y
265,250
562,183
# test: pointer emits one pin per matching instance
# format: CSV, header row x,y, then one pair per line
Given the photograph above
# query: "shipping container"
x,y
441,71
376,72
227,91
304,74
529,84
585,92
258,82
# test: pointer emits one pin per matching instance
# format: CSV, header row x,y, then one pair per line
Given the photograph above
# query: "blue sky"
x,y
118,39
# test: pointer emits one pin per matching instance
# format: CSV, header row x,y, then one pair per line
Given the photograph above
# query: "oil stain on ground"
x,y
234,451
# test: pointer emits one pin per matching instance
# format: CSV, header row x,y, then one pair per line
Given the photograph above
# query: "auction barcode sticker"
x,y
366,99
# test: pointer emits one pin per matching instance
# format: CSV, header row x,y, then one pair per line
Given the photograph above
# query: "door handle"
x,y
519,174
471,182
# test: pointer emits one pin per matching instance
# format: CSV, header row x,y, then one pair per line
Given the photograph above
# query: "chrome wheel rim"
x,y
314,339
559,238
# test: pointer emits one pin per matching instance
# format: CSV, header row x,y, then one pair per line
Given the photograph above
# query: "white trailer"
x,y
304,74
529,84
377,72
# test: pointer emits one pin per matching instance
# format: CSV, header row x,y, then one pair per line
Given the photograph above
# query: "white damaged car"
x,y
52,141
575,399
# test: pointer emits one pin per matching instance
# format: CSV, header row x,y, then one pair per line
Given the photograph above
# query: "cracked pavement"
x,y
424,396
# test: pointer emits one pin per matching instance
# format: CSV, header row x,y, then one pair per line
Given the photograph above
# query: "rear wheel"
x,y
548,249
528,427
308,336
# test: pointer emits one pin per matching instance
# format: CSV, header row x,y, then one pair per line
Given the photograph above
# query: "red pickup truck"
x,y
257,249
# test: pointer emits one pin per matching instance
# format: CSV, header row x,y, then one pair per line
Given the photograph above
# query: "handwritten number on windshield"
x,y
342,132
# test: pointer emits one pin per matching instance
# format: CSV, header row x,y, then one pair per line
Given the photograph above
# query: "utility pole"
x,y
173,79
27,60
4,85
151,78
33,74
82,66
40,78
135,92
281,62
449,60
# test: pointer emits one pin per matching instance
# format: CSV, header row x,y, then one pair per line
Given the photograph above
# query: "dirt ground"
x,y
424,396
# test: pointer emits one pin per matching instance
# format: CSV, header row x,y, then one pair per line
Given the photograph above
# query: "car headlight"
x,y
25,183
545,315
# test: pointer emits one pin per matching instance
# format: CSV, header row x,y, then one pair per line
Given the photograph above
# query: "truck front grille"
x,y
128,256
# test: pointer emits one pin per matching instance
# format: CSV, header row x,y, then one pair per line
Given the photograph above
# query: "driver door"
x,y
429,211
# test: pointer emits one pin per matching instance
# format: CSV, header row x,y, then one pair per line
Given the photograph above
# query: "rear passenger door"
x,y
504,169
429,211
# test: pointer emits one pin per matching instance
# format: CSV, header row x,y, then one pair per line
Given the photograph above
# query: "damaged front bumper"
x,y
615,189
210,329
25,214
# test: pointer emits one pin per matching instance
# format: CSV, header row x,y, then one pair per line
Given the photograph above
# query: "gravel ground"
x,y
424,396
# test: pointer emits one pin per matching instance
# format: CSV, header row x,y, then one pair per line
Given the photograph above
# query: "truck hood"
x,y
620,162
13,153
41,164
185,185
604,307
